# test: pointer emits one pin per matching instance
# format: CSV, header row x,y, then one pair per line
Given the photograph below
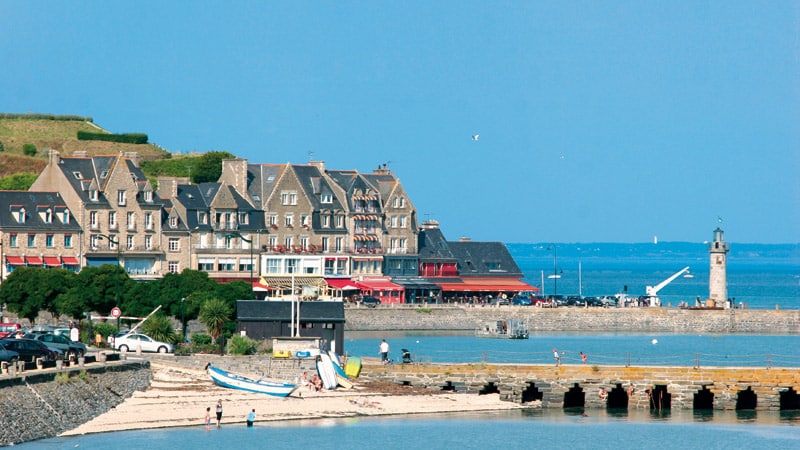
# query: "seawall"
x,y
44,403
663,320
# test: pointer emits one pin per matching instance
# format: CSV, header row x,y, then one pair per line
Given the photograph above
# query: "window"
x,y
31,240
273,242
273,220
395,202
245,265
12,240
131,220
340,221
226,264
93,219
94,195
113,243
273,265
205,265
393,221
148,196
287,242
48,240
112,220
148,221
326,221
291,265
203,218
21,215
325,243
48,216
173,222
129,244
402,202
68,240
403,243
403,222
65,216
289,220
288,198
305,221
148,242
304,242
121,200
327,198
339,244
173,266
174,244
243,218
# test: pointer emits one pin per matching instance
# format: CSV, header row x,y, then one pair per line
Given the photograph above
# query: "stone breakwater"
x,y
41,405
662,320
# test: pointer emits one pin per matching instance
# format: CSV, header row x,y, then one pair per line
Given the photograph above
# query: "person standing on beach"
x,y
219,413
583,357
251,417
557,357
208,418
383,349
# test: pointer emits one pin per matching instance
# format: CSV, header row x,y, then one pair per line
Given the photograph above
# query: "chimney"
x,y
133,156
53,157
318,164
168,186
234,171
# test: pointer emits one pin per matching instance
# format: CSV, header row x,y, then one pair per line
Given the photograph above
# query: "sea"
x,y
760,276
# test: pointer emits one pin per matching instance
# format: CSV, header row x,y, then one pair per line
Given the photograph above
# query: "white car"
x,y
134,341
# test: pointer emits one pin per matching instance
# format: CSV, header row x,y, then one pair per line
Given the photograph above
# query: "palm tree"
x,y
159,327
214,313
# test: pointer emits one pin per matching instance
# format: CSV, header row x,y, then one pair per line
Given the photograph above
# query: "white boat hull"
x,y
262,386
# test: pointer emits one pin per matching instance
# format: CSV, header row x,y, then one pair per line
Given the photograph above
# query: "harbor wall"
x,y
44,403
654,388
662,320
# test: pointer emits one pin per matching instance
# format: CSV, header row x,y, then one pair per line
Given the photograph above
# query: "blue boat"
x,y
261,386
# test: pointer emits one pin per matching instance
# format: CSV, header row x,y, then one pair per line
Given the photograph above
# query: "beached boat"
x,y
262,386
504,329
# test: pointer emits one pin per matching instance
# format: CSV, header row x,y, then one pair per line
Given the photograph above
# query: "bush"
x,y
242,345
2,148
125,138
201,339
105,330
29,149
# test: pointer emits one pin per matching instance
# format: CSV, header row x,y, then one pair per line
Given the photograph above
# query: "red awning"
x,y
343,284
70,261
258,287
384,285
15,260
33,260
487,284
52,261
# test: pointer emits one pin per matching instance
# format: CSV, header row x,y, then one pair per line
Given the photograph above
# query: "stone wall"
x,y
557,387
662,320
42,404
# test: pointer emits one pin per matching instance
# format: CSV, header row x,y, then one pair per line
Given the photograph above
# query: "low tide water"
x,y
506,430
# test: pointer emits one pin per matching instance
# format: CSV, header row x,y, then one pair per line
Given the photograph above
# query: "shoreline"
x,y
178,397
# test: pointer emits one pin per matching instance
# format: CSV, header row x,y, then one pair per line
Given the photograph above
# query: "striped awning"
x,y
52,261
33,260
15,260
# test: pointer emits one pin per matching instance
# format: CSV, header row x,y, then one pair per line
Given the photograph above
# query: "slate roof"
x,y
433,245
484,259
33,202
281,311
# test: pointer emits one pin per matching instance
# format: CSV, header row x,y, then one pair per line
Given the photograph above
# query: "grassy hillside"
x,y
61,135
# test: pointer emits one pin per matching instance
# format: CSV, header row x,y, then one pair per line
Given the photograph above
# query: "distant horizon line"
x,y
654,244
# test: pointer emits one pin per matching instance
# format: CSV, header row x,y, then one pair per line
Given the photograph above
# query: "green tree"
x,y
17,182
29,149
100,286
29,290
209,167
213,314
159,327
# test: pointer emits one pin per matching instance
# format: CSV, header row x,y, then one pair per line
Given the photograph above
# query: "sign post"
x,y
116,313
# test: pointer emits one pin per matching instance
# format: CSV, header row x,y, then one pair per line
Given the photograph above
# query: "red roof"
x,y
70,261
487,284
344,284
15,260
52,261
33,260
379,284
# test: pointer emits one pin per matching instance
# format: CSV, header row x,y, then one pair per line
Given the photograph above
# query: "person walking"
x,y
557,357
251,417
219,413
383,349
208,418
583,357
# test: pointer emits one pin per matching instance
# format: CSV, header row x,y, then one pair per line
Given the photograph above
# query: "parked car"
x,y
60,342
521,300
134,341
370,301
9,356
30,349
8,329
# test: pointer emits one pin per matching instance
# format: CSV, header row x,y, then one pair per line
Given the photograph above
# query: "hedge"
x,y
125,138
44,117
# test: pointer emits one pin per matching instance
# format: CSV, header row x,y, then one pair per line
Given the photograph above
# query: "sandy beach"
x,y
179,397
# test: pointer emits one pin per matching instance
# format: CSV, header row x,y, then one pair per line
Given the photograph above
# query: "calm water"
x,y
759,275
611,348
507,430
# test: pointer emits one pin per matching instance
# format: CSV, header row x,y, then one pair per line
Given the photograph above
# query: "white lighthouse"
x,y
717,274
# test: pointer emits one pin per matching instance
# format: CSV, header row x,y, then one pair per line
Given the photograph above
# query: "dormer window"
x,y
48,216
327,198
21,215
77,175
173,222
148,196
203,218
94,195
65,216
104,174
243,218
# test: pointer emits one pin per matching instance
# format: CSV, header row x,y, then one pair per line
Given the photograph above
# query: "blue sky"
x,y
598,121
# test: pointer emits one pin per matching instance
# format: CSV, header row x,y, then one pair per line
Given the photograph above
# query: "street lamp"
x,y
113,241
183,318
555,276
250,243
